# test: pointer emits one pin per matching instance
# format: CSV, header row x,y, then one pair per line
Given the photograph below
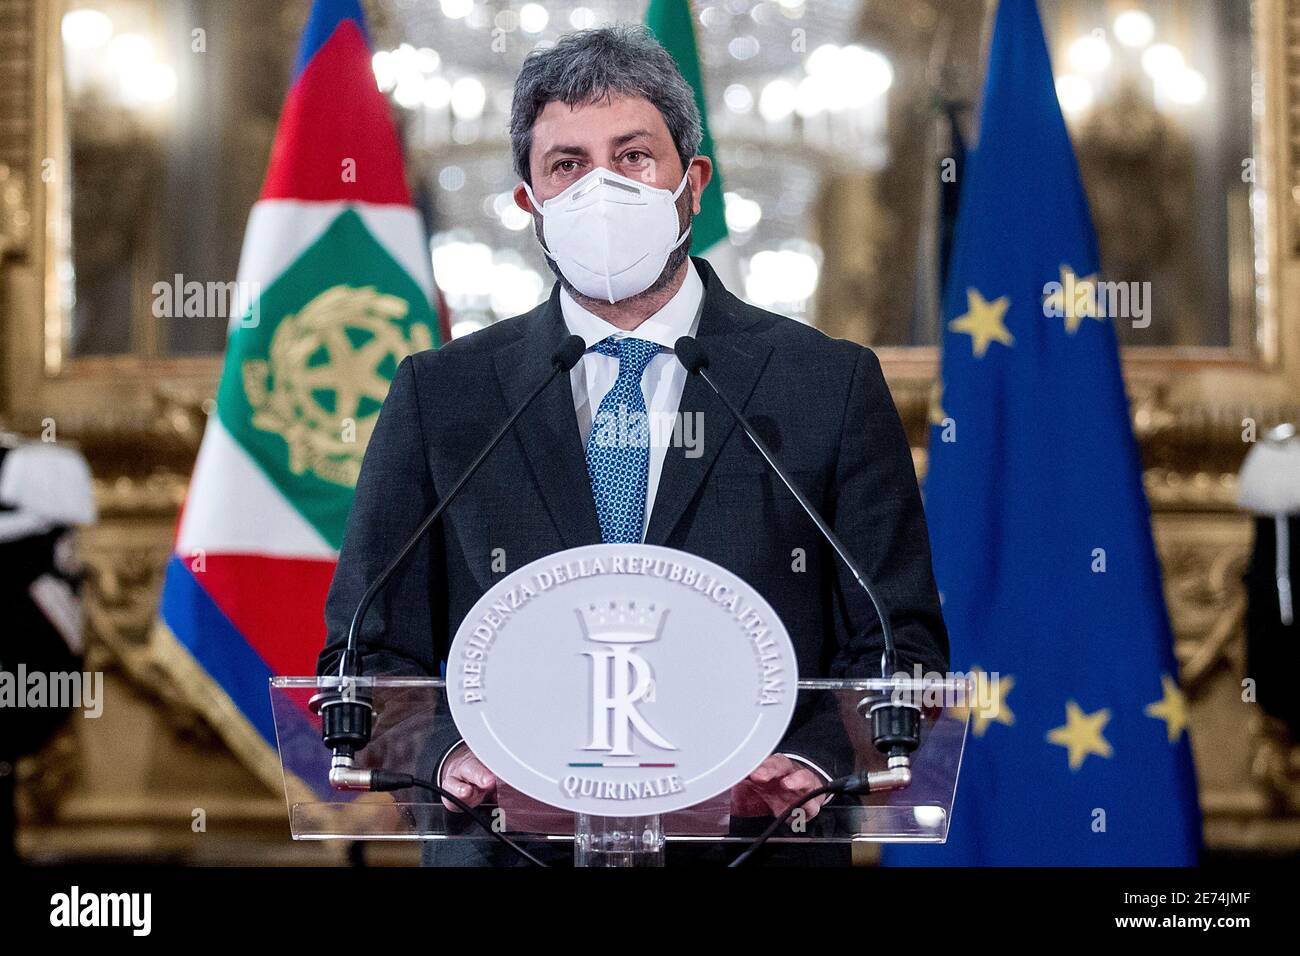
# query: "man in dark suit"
x,y
605,133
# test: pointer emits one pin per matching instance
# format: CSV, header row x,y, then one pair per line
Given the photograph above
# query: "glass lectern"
x,y
412,731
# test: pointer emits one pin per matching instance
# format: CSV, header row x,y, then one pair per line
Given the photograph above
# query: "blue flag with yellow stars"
x,y
1040,529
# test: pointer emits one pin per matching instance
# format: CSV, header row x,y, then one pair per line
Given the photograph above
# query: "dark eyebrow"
x,y
566,150
633,134
580,151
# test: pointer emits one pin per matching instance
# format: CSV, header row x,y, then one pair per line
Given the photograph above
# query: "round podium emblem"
x,y
622,679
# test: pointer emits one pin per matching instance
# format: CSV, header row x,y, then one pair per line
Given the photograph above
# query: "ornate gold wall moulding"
x,y
1206,599
1275,764
137,452
20,47
1191,453
1290,115
124,563
15,214
1169,490
158,494
46,778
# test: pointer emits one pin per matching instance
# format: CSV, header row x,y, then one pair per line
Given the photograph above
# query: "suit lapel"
x,y
548,432
735,362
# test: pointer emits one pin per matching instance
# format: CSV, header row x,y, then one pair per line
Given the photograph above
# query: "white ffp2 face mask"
x,y
609,235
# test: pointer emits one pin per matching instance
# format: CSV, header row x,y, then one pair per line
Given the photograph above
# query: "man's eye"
x,y
634,156
565,165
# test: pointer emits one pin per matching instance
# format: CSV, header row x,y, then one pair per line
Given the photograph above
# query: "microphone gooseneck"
x,y
696,362
896,725
564,358
347,712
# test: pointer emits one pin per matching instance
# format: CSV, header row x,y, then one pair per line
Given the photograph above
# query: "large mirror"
x,y
168,121
833,119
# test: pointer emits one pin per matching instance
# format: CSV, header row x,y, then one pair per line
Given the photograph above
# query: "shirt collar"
x,y
679,316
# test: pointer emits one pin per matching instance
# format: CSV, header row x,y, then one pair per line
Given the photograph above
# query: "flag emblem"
x,y
329,368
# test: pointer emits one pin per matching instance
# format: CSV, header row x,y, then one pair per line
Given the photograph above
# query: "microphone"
x,y
346,715
896,725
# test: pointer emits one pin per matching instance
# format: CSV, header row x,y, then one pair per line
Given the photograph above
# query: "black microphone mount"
x,y
347,712
895,722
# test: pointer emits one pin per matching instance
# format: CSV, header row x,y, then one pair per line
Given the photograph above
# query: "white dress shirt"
x,y
661,383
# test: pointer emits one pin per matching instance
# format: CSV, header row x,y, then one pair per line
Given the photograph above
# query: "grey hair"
x,y
591,65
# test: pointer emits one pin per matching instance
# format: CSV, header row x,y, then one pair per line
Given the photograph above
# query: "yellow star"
x,y
1081,734
1075,300
983,710
983,322
996,710
1171,708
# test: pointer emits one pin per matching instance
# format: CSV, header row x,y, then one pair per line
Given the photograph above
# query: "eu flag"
x,y
1040,528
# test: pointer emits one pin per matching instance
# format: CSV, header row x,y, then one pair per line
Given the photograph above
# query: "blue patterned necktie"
x,y
618,448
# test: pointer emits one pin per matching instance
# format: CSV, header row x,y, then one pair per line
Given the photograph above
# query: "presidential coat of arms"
x,y
323,381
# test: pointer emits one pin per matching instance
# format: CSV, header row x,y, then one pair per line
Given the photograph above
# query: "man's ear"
x,y
522,200
700,171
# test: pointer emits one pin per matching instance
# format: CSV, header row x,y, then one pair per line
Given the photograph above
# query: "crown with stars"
x,y
621,622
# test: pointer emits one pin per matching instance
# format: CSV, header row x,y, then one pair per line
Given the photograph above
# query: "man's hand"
x,y
775,784
464,776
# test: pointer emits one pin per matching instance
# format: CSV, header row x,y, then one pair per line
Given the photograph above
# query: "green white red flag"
x,y
336,287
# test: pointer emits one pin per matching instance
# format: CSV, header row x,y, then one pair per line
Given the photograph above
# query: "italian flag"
x,y
673,25
336,283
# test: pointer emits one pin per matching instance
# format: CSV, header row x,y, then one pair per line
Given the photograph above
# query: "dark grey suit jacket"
x,y
821,404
